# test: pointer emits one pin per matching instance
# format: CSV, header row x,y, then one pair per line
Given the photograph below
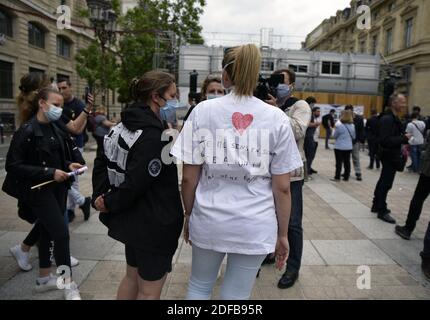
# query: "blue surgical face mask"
x,y
168,112
283,91
213,96
54,113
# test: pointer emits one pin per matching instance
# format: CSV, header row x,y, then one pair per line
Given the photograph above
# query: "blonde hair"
x,y
243,67
101,109
346,117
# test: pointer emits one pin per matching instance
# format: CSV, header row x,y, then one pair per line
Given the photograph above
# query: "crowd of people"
x,y
243,206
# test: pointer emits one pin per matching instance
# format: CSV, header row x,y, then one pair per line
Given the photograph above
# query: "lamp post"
x,y
103,20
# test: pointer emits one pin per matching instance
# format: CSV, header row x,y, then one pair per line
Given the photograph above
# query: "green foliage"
x,y
152,22
100,71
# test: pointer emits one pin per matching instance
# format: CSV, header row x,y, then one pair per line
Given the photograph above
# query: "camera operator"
x,y
299,113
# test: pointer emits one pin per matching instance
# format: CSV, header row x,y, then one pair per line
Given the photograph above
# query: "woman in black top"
x,y
135,187
39,152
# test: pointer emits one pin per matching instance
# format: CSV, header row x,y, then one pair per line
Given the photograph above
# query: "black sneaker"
x,y
314,171
403,232
86,208
386,217
288,280
71,215
359,178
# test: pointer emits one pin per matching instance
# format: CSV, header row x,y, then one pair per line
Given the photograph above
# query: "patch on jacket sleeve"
x,y
154,168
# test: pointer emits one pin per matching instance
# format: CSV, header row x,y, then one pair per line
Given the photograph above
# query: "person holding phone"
x,y
41,151
73,108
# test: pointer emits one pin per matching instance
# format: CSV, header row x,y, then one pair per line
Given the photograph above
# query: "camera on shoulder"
x,y
268,86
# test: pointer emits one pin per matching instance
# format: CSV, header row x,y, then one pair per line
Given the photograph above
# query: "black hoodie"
x,y
146,210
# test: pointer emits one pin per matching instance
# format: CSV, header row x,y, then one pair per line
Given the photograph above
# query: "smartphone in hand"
x,y
87,93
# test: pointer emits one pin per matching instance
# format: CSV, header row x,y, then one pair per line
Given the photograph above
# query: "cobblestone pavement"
x,y
340,233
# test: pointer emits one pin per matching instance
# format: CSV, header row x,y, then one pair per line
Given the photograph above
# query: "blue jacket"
x,y
344,135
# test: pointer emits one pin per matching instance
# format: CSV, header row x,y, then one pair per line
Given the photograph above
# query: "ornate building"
x,y
399,32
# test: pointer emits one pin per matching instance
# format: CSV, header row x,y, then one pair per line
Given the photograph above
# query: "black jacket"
x,y
328,121
145,211
391,136
360,132
29,161
372,128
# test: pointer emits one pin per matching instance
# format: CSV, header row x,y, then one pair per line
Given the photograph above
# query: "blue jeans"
x,y
295,229
415,156
238,280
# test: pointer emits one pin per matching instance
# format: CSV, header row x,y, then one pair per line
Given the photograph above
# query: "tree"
x,y
166,24
153,26
92,67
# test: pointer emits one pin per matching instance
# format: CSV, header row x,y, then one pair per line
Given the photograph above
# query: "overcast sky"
x,y
291,18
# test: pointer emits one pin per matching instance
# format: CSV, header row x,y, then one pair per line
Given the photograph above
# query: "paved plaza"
x,y
340,233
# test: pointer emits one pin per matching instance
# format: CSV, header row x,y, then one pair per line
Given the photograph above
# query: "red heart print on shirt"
x,y
242,122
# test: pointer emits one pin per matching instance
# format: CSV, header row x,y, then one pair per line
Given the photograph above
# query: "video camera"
x,y
268,86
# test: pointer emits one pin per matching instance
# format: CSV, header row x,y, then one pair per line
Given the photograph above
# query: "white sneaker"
x,y
21,257
72,293
50,285
73,262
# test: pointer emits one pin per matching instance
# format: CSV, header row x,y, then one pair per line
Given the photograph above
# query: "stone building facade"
x,y
399,32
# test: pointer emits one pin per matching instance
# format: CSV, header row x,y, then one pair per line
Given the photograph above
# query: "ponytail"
x,y
243,67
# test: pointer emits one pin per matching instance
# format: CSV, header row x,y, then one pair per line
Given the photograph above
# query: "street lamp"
x,y
103,20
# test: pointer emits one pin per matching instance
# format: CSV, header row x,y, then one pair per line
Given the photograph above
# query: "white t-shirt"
x,y
418,129
234,209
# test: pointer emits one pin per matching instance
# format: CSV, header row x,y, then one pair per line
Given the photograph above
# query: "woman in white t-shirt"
x,y
238,153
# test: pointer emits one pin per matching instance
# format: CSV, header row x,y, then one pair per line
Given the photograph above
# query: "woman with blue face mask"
x,y
136,189
212,88
42,151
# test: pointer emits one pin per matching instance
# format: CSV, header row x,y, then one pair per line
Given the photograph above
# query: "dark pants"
x,y
327,136
426,252
384,185
421,193
33,236
310,151
100,145
373,145
295,229
343,157
49,208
